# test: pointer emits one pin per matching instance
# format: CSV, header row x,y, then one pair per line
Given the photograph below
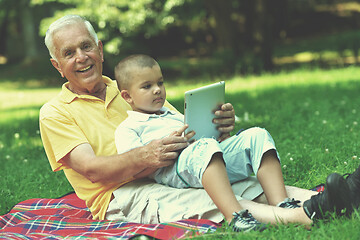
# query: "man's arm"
x,y
121,167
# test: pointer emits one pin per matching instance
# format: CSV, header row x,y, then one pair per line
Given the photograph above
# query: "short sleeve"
x,y
64,133
126,139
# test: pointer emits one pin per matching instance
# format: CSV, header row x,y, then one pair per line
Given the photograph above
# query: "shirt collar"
x,y
111,91
143,117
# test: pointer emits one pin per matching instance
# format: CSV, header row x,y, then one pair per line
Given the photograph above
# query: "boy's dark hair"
x,y
125,68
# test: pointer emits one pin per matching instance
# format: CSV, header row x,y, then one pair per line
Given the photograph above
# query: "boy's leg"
x,y
254,151
202,165
271,178
216,183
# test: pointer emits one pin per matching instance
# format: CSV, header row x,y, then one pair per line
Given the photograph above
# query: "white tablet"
x,y
199,107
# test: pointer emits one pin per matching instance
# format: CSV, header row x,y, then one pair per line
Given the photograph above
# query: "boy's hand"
x,y
181,131
225,119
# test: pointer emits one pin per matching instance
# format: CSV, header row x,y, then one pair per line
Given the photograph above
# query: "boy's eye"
x,y
147,86
160,83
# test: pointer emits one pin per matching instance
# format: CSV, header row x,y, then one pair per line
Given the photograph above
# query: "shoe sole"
x,y
339,194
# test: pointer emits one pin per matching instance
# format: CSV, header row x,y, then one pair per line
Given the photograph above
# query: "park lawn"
x,y
313,117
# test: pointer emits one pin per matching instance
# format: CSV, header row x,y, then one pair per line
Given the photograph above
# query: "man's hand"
x,y
163,152
225,119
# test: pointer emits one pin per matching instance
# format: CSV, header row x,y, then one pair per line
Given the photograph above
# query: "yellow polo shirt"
x,y
69,120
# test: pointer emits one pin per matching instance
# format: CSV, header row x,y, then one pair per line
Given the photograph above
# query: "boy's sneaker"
x,y
289,203
353,180
243,221
335,198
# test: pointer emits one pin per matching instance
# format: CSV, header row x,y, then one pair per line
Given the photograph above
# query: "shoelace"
x,y
246,217
289,203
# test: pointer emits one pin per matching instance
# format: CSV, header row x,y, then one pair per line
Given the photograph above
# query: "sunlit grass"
x,y
21,98
311,114
254,83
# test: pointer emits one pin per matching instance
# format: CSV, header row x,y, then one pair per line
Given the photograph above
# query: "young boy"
x,y
205,163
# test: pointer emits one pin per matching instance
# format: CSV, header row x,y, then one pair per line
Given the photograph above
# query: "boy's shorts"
x,y
242,155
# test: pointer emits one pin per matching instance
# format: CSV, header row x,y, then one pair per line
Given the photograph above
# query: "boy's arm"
x,y
126,139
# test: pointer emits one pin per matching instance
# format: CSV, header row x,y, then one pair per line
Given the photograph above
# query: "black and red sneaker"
x,y
334,199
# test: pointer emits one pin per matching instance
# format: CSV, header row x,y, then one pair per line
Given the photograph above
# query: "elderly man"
x,y
77,130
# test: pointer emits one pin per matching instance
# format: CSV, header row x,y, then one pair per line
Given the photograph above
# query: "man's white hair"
x,y
63,22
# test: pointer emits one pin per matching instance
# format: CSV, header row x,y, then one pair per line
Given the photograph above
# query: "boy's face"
x,y
147,91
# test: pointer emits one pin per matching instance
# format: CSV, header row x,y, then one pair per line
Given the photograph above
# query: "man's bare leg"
x,y
293,192
274,215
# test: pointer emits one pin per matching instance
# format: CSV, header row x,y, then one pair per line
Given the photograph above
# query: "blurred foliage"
x,y
115,20
191,38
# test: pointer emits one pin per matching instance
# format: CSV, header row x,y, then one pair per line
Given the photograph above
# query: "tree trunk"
x,y
3,33
262,32
226,30
28,31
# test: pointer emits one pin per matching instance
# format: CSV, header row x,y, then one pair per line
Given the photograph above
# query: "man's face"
x,y
79,59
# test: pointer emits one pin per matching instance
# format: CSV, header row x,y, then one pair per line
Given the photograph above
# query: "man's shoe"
x,y
243,221
353,180
289,203
334,199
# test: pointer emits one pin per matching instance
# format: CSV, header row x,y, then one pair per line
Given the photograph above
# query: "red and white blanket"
x,y
68,217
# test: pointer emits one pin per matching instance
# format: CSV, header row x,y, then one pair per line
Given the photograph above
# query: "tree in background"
x,y
233,35
17,21
19,34
200,27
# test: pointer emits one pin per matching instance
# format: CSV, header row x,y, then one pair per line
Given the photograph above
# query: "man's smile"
x,y
85,69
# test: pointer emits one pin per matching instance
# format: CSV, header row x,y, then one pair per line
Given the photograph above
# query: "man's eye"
x,y
68,53
86,47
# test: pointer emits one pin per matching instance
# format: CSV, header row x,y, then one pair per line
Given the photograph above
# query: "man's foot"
x,y
353,180
334,199
289,203
243,221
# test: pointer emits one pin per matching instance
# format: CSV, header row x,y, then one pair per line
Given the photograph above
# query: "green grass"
x,y
313,117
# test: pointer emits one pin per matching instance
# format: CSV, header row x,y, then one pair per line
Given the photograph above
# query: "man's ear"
x,y
56,65
101,49
126,96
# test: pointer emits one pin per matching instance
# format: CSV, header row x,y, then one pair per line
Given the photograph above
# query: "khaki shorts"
x,y
144,201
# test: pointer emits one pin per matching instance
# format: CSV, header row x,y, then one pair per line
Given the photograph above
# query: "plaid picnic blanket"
x,y
68,217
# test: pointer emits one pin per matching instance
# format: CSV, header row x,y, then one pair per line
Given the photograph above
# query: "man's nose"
x,y
80,55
